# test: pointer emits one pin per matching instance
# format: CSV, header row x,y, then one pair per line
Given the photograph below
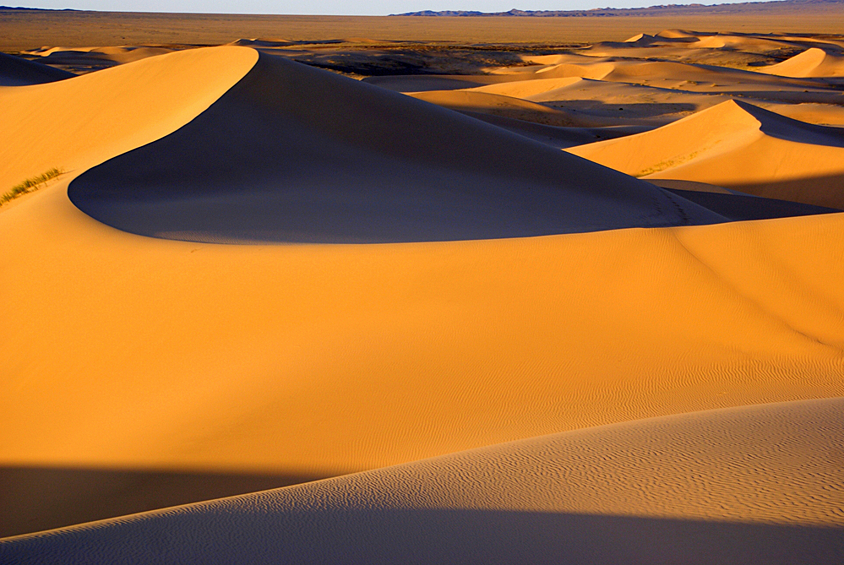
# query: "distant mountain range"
x,y
650,11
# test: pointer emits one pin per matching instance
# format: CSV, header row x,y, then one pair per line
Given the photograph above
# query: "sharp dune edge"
x,y
77,123
688,369
540,500
356,164
15,71
812,62
740,146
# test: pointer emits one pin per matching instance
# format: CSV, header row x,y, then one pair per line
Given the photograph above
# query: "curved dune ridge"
x,y
813,62
496,104
98,56
699,488
15,71
296,154
615,69
736,145
146,372
529,88
165,356
77,123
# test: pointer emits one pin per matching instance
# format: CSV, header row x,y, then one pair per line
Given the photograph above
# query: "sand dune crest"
x,y
740,146
298,154
76,123
146,366
585,496
813,62
15,71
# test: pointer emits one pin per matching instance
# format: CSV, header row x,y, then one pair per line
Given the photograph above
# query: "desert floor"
x,y
484,300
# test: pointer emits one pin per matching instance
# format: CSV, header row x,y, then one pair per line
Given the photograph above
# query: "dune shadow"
x,y
35,498
738,207
252,530
421,83
618,109
535,116
559,137
821,190
293,154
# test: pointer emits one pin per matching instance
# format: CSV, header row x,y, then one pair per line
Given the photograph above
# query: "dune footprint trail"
x,y
140,363
295,154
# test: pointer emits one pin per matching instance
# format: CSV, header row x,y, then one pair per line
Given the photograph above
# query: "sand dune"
x,y
679,44
498,105
668,73
15,71
96,58
558,137
145,365
813,62
656,72
585,496
736,145
319,163
650,89
530,88
322,360
77,123
822,114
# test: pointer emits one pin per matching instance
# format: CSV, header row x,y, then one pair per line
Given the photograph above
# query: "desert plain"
x,y
422,290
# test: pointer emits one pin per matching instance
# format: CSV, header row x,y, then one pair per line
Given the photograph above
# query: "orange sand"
x,y
142,343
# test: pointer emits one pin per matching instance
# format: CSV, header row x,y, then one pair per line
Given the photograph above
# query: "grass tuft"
x,y
30,185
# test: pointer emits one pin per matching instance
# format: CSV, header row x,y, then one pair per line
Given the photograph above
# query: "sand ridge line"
x,y
719,485
740,146
82,121
303,155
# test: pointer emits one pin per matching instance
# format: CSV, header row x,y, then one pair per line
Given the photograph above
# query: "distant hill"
x,y
662,10
20,8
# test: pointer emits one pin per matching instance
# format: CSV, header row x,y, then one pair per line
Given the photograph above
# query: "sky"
x,y
339,7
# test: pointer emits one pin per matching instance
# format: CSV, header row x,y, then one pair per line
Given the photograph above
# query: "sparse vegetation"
x,y
30,185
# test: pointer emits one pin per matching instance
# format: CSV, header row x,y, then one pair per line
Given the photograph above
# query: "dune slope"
x,y
814,62
318,360
15,71
746,485
736,145
297,154
496,104
76,123
148,361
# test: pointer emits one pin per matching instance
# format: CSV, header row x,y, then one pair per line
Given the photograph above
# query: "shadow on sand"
x,y
39,498
251,529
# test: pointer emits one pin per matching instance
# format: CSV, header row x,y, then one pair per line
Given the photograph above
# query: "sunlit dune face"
x,y
572,304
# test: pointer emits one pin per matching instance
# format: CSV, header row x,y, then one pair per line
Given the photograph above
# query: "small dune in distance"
x,y
435,288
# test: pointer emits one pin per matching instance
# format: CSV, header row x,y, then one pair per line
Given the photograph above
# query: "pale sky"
x,y
337,7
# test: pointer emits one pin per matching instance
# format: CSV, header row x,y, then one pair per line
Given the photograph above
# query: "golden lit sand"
x,y
740,146
255,273
697,488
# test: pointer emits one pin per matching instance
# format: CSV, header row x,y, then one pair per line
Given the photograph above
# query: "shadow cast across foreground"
x,y
37,498
250,529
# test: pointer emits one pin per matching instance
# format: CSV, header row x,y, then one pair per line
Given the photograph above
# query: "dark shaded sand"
x,y
296,154
700,488
15,71
141,371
